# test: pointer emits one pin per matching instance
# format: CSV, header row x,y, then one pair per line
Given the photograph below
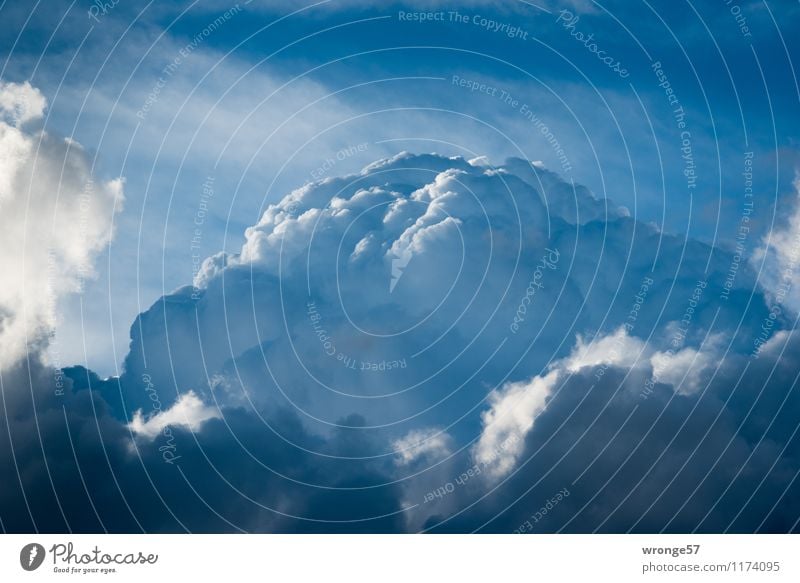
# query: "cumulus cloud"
x,y
54,219
318,316
349,400
776,343
668,463
512,413
514,407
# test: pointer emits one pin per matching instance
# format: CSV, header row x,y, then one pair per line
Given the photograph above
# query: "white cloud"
x,y
776,342
511,415
20,103
335,243
432,444
515,406
53,220
422,217
780,251
616,349
683,370
188,411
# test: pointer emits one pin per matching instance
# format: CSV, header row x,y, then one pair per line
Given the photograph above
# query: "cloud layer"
x,y
430,344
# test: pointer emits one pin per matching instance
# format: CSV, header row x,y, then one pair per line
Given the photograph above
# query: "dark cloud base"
x,y
731,467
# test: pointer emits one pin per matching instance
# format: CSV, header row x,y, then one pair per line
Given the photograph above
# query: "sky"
x,y
400,266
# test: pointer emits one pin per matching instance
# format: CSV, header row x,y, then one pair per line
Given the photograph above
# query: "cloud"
x,y
514,407
347,404
780,255
20,103
54,219
777,342
431,444
684,369
188,411
512,413
725,462
616,349
310,313
319,273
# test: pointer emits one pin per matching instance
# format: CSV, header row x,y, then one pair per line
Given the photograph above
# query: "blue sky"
x,y
256,159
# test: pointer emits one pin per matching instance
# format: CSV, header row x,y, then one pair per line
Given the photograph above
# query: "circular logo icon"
x,y
31,556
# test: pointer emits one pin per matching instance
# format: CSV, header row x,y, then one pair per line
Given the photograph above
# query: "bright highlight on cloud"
x,y
54,219
188,411
431,444
780,253
20,103
514,407
513,411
